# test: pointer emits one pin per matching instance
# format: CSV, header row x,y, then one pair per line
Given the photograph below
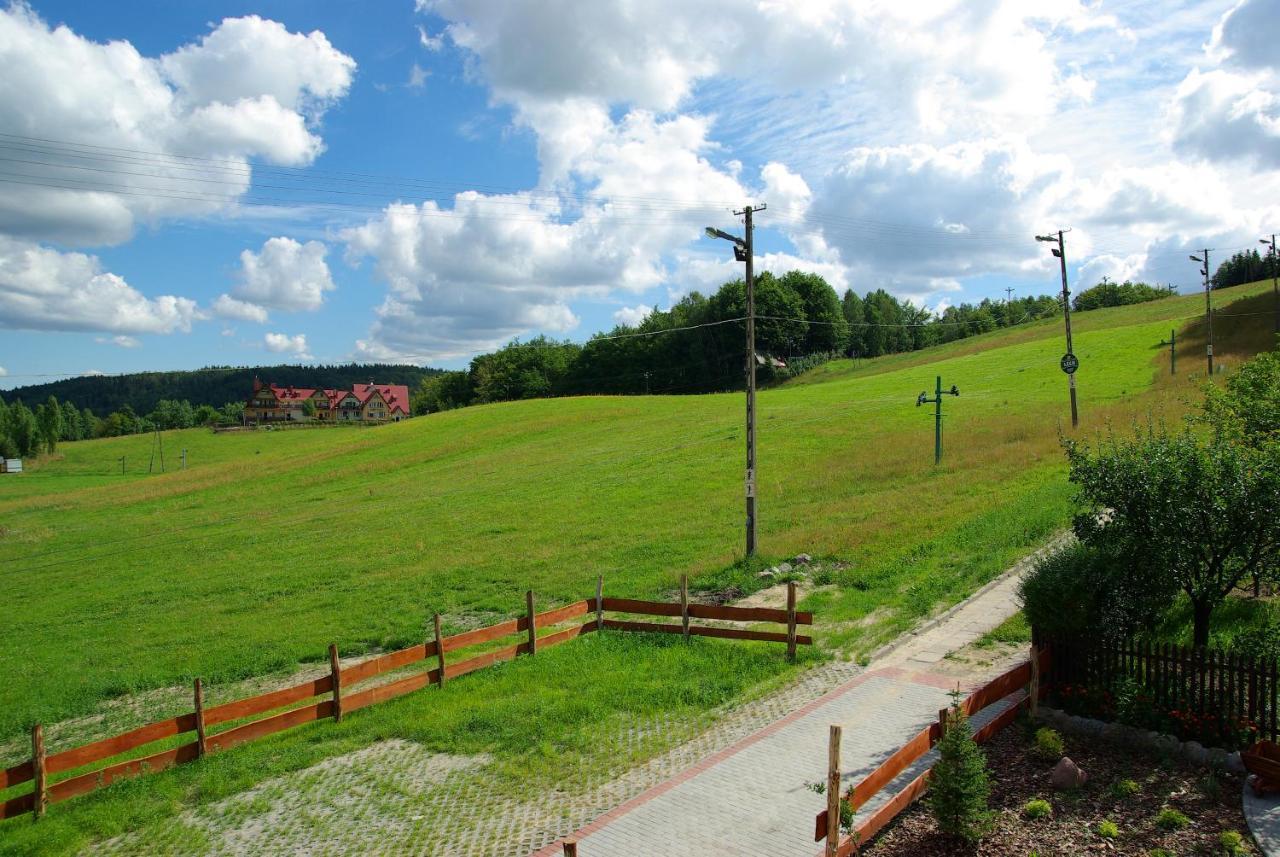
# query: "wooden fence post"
x,y
942,723
791,620
571,848
1033,692
833,792
337,682
600,602
439,649
40,790
533,630
684,604
199,700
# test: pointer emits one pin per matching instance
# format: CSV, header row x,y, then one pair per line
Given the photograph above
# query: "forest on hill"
x,y
212,385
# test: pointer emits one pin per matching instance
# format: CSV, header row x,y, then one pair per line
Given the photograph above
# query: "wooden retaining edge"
x,y
699,631
993,691
919,785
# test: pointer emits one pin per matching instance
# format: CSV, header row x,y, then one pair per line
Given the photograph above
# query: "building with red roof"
x,y
366,403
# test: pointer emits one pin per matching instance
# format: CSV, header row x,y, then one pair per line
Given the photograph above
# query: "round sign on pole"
x,y
1070,363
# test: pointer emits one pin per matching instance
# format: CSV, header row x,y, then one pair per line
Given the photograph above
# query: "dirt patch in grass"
x,y
1210,803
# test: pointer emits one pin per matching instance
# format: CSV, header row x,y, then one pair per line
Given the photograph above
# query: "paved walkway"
x,y
752,797
1263,815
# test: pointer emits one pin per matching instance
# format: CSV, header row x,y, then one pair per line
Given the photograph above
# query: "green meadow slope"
x,y
272,544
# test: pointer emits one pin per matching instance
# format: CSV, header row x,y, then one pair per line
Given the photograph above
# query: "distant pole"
x,y
1066,314
1008,295
1208,308
1275,278
1069,363
924,399
833,791
184,458
122,465
1173,352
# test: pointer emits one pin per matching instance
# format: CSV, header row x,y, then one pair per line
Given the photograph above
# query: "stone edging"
x,y
1191,752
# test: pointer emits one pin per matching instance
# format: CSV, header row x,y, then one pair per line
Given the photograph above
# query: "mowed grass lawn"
x,y
272,544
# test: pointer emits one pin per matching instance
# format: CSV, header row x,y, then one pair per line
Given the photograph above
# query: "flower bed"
x,y
1134,803
1133,705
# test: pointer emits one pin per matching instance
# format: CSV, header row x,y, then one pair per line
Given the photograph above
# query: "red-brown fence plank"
x,y
268,725
887,813
567,634
892,766
998,688
97,779
267,701
487,659
698,631
568,611
385,663
19,773
16,806
746,614
645,608
117,744
482,635
390,690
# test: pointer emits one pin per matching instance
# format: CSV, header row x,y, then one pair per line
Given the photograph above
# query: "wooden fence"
x,y
1204,682
1026,675
338,686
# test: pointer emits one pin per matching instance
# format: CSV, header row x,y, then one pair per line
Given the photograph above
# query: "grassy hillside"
x,y
271,544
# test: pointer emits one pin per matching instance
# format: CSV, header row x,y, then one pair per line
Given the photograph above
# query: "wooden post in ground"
x,y
1033,691
199,700
439,649
833,792
336,673
600,602
942,722
791,620
571,848
684,605
533,631
40,791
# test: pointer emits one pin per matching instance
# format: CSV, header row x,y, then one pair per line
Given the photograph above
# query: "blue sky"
x,y
186,184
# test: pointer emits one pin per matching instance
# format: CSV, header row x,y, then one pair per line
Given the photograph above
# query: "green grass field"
x,y
272,544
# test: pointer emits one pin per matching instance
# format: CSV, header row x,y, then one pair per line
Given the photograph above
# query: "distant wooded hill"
x,y
213,385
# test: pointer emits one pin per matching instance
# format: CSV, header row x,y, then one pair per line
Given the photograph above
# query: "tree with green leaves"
x,y
21,429
856,316
1197,510
1247,407
959,790
92,426
828,330
49,421
72,428
309,409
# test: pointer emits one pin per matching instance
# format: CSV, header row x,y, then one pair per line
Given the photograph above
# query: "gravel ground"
x,y
1211,802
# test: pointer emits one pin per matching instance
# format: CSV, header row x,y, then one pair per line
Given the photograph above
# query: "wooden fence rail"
x,y
1206,682
338,684
920,744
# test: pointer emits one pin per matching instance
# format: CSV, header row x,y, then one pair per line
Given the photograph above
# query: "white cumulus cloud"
x,y
285,275
43,289
282,343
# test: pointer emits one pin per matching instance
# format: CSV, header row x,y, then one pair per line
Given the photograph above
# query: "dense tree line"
x,y
1107,294
1247,266
214,385
696,346
25,432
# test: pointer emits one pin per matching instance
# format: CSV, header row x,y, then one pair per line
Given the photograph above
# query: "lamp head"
x,y
1196,259
921,399
954,391
1046,238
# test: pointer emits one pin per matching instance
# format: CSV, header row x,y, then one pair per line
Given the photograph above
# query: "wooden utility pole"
x,y
1208,308
1275,278
743,251
1069,363
748,211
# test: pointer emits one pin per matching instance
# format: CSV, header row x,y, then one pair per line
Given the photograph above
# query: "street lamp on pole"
x,y
1208,308
1069,363
1275,277
743,252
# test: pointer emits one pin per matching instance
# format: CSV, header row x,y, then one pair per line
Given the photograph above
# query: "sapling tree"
x,y
1195,510
959,790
